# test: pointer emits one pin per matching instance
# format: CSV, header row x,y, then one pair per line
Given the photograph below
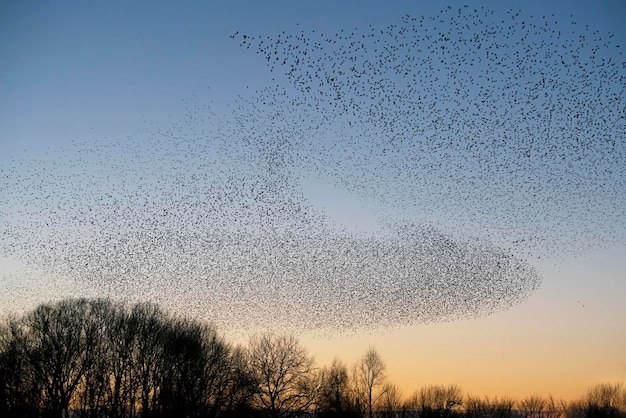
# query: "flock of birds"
x,y
480,141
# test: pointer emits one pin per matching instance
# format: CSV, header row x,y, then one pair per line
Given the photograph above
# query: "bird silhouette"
x,y
481,141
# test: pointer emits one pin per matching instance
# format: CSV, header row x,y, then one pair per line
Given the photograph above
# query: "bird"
x,y
481,141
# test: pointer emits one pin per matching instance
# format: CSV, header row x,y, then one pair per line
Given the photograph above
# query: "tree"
x,y
369,378
197,376
439,400
96,392
391,401
60,342
335,398
476,407
532,406
120,371
20,389
148,354
606,400
186,376
286,385
239,387
554,408
104,359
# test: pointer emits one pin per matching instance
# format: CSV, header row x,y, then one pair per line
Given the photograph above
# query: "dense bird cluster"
x,y
480,142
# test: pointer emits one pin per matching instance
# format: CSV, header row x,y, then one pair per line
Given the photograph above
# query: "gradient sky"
x,y
78,71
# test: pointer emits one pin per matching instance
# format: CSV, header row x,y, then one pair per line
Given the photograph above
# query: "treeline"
x,y
98,358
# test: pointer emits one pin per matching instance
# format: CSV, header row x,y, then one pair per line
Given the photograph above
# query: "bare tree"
x,y
476,407
439,400
186,376
606,399
222,381
197,378
148,354
554,408
369,379
239,386
411,405
94,392
104,359
532,406
335,399
60,342
121,340
390,403
283,372
20,389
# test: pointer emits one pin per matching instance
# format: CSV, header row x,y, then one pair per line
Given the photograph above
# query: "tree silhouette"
x,y
185,382
554,408
148,355
283,372
390,402
99,389
103,359
532,405
369,378
476,407
606,400
60,342
438,400
20,388
335,398
238,387
196,380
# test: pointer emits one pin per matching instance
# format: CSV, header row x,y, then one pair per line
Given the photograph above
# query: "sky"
x,y
90,92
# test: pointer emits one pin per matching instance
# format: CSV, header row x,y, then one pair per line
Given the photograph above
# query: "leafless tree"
x,y
187,379
286,382
476,407
576,409
390,403
94,393
20,389
503,407
439,400
335,397
105,359
606,399
369,378
148,354
200,376
411,405
532,406
554,408
60,342
239,386
121,341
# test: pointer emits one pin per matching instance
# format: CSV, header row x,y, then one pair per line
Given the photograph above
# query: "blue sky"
x,y
70,67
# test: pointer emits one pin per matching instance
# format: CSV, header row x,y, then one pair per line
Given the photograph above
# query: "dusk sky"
x,y
119,108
